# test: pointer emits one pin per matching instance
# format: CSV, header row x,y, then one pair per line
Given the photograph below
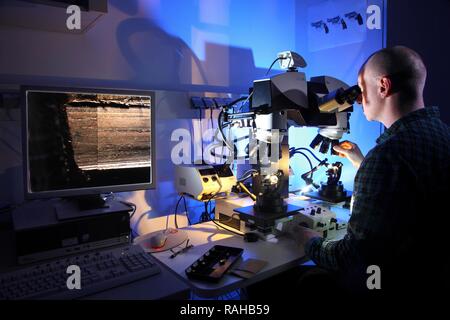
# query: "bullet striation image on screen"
x,y
85,140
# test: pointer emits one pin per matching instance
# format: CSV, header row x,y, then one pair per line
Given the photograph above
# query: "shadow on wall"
x,y
158,57
227,66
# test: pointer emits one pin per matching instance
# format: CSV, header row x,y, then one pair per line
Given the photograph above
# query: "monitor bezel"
x,y
29,195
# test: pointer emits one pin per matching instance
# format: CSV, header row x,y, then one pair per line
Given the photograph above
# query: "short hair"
x,y
403,66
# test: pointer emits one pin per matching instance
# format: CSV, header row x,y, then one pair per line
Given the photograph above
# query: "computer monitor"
x,y
81,142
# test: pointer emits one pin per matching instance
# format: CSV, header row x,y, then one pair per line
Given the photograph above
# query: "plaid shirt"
x,y
398,194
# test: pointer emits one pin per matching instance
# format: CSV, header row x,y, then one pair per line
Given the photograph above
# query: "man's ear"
x,y
385,87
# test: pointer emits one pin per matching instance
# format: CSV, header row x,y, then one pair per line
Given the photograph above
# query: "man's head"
x,y
392,82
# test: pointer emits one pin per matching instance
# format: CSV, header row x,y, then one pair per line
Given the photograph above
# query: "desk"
x,y
281,256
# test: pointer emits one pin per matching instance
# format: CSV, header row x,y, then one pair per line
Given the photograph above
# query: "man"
x,y
399,211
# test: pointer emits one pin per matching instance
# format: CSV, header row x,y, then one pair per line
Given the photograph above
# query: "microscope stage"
x,y
265,220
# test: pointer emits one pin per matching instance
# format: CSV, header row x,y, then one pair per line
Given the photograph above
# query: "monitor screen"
x,y
83,141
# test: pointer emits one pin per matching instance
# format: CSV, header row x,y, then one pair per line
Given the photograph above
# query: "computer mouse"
x,y
158,240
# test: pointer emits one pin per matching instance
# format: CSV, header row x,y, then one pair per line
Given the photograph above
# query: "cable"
x,y
221,132
245,178
311,172
208,202
312,153
323,162
134,211
186,210
211,117
274,61
230,105
176,209
224,156
307,158
201,131
244,175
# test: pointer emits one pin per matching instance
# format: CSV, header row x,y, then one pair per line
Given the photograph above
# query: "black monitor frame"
x,y
78,192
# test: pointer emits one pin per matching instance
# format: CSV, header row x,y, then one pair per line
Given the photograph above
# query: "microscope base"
x,y
316,195
264,221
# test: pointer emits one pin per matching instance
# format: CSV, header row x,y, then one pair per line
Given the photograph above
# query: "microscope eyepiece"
x,y
339,100
351,95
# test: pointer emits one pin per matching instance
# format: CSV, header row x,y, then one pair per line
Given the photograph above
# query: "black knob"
x,y
205,179
319,210
313,212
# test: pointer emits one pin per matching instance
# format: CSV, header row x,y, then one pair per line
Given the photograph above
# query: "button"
x,y
213,178
205,179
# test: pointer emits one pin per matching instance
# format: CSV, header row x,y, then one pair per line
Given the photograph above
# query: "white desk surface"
x,y
281,256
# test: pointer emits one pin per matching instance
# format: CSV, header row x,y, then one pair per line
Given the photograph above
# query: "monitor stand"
x,y
81,206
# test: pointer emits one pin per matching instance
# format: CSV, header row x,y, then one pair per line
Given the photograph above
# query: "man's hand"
x,y
351,151
302,235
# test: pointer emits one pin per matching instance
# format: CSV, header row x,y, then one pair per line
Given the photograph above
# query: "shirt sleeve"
x,y
378,195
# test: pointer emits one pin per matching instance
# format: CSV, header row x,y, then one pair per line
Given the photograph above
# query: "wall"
x,y
424,26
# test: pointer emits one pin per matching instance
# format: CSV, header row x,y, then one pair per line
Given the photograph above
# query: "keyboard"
x,y
98,271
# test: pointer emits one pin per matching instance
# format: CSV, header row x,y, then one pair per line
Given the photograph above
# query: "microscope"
x,y
275,104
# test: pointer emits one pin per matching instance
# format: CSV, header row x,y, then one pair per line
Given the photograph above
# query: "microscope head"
x,y
323,102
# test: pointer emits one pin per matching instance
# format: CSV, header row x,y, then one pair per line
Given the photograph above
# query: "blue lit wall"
x,y
263,27
233,42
